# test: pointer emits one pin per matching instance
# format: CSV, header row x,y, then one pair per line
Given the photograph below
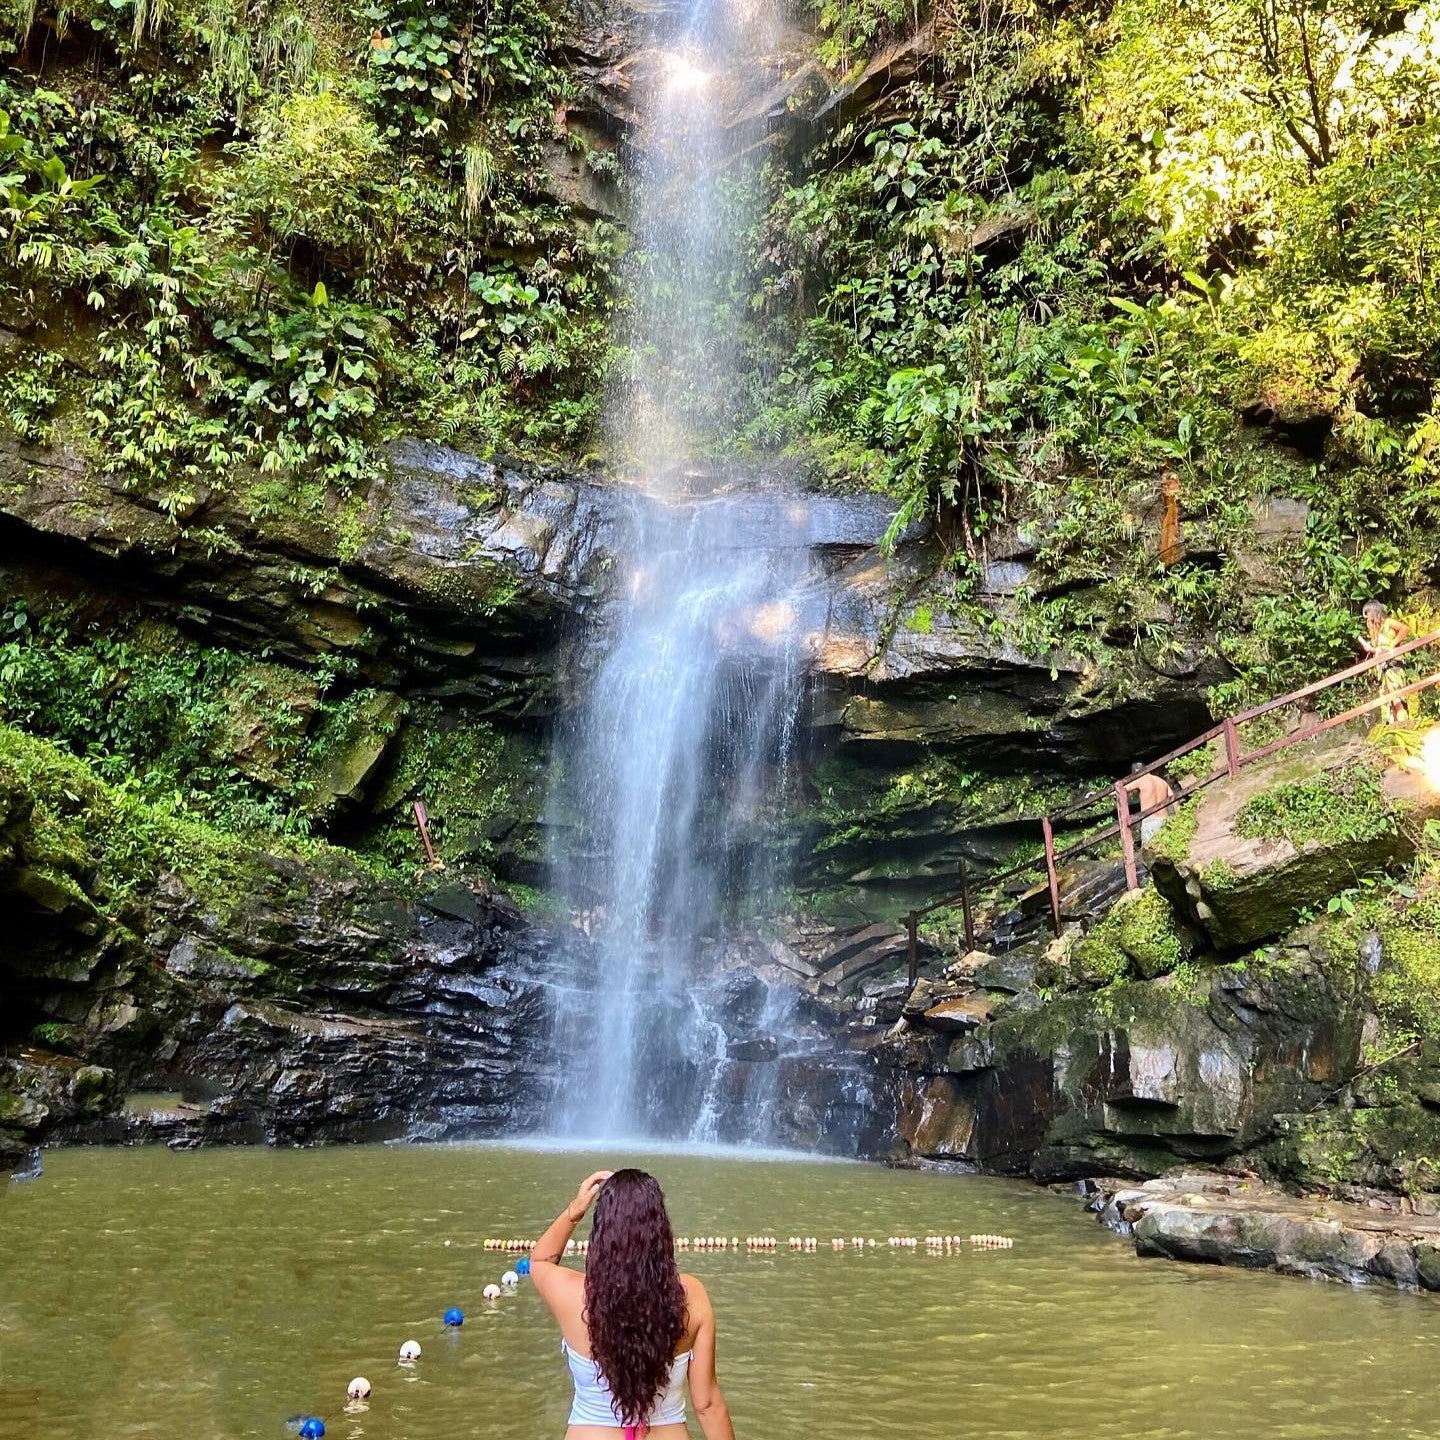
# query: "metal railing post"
x,y
1050,875
912,925
965,906
1127,836
1232,747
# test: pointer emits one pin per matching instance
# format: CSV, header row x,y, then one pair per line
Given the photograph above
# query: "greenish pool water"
x,y
217,1294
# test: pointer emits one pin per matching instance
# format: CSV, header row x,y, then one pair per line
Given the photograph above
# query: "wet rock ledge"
x,y
1220,1219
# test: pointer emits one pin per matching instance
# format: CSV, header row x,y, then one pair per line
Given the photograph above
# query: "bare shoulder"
x,y
697,1298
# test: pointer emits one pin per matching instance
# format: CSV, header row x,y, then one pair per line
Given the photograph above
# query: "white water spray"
x,y
674,766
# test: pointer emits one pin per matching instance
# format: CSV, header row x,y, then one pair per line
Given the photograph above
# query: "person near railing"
x,y
1150,790
1384,634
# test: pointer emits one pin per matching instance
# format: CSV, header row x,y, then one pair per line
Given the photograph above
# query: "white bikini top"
x,y
595,1405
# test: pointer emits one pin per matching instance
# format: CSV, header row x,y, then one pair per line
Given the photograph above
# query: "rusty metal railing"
x,y
1235,758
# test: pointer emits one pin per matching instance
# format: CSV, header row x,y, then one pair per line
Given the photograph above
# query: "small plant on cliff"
x,y
1341,805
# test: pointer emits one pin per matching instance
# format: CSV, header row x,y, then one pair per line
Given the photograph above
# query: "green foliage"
x,y
1172,840
82,828
1074,250
427,65
1343,805
270,244
314,374
1137,932
459,766
313,166
30,388
853,27
36,191
1395,921
197,732
146,712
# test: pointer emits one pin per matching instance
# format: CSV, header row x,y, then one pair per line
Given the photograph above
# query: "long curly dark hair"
x,y
634,1301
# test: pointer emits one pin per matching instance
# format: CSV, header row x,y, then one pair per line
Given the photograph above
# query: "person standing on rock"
x,y
634,1328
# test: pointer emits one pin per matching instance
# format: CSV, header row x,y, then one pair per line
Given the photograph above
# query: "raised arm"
x,y
562,1290
710,1407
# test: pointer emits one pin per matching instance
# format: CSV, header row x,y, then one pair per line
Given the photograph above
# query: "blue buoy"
x,y
454,1317
522,1265
311,1429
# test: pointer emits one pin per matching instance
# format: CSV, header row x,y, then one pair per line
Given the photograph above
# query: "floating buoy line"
x,y
312,1427
765,1243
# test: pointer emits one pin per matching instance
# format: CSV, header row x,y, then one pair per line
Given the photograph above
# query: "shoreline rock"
x,y
1213,1218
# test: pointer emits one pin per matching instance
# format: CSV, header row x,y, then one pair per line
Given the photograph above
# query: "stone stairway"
x,y
852,956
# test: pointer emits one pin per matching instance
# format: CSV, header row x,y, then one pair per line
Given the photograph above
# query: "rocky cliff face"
x,y
453,596
1220,1024
285,1000
464,584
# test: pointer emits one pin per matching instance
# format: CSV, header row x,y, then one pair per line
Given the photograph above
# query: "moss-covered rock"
x,y
352,746
1391,1146
1138,932
483,786
307,998
1285,835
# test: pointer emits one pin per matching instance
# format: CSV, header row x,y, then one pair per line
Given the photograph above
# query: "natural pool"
x,y
218,1293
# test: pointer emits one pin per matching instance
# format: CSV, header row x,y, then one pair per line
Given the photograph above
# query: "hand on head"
x,y
585,1195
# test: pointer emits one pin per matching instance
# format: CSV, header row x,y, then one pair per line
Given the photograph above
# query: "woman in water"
x,y
634,1327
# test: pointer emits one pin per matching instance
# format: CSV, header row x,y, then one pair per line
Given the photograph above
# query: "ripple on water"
x,y
216,1294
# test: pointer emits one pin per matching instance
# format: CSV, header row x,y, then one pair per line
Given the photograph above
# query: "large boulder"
x,y
1251,852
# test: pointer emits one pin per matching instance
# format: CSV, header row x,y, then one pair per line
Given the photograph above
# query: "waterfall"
x,y
674,763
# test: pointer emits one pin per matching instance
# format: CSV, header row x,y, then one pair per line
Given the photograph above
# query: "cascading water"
x,y
676,763
673,768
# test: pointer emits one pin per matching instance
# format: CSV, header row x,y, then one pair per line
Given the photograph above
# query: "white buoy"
x,y
491,1292
510,1278
409,1351
358,1388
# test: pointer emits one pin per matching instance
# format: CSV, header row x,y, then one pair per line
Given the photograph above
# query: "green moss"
x,y
478,786
1396,1146
1406,987
1217,875
1139,931
856,803
103,844
102,839
538,905
1172,840
1341,805
921,620
1099,959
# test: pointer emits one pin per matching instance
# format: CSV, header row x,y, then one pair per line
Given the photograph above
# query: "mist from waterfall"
x,y
674,763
